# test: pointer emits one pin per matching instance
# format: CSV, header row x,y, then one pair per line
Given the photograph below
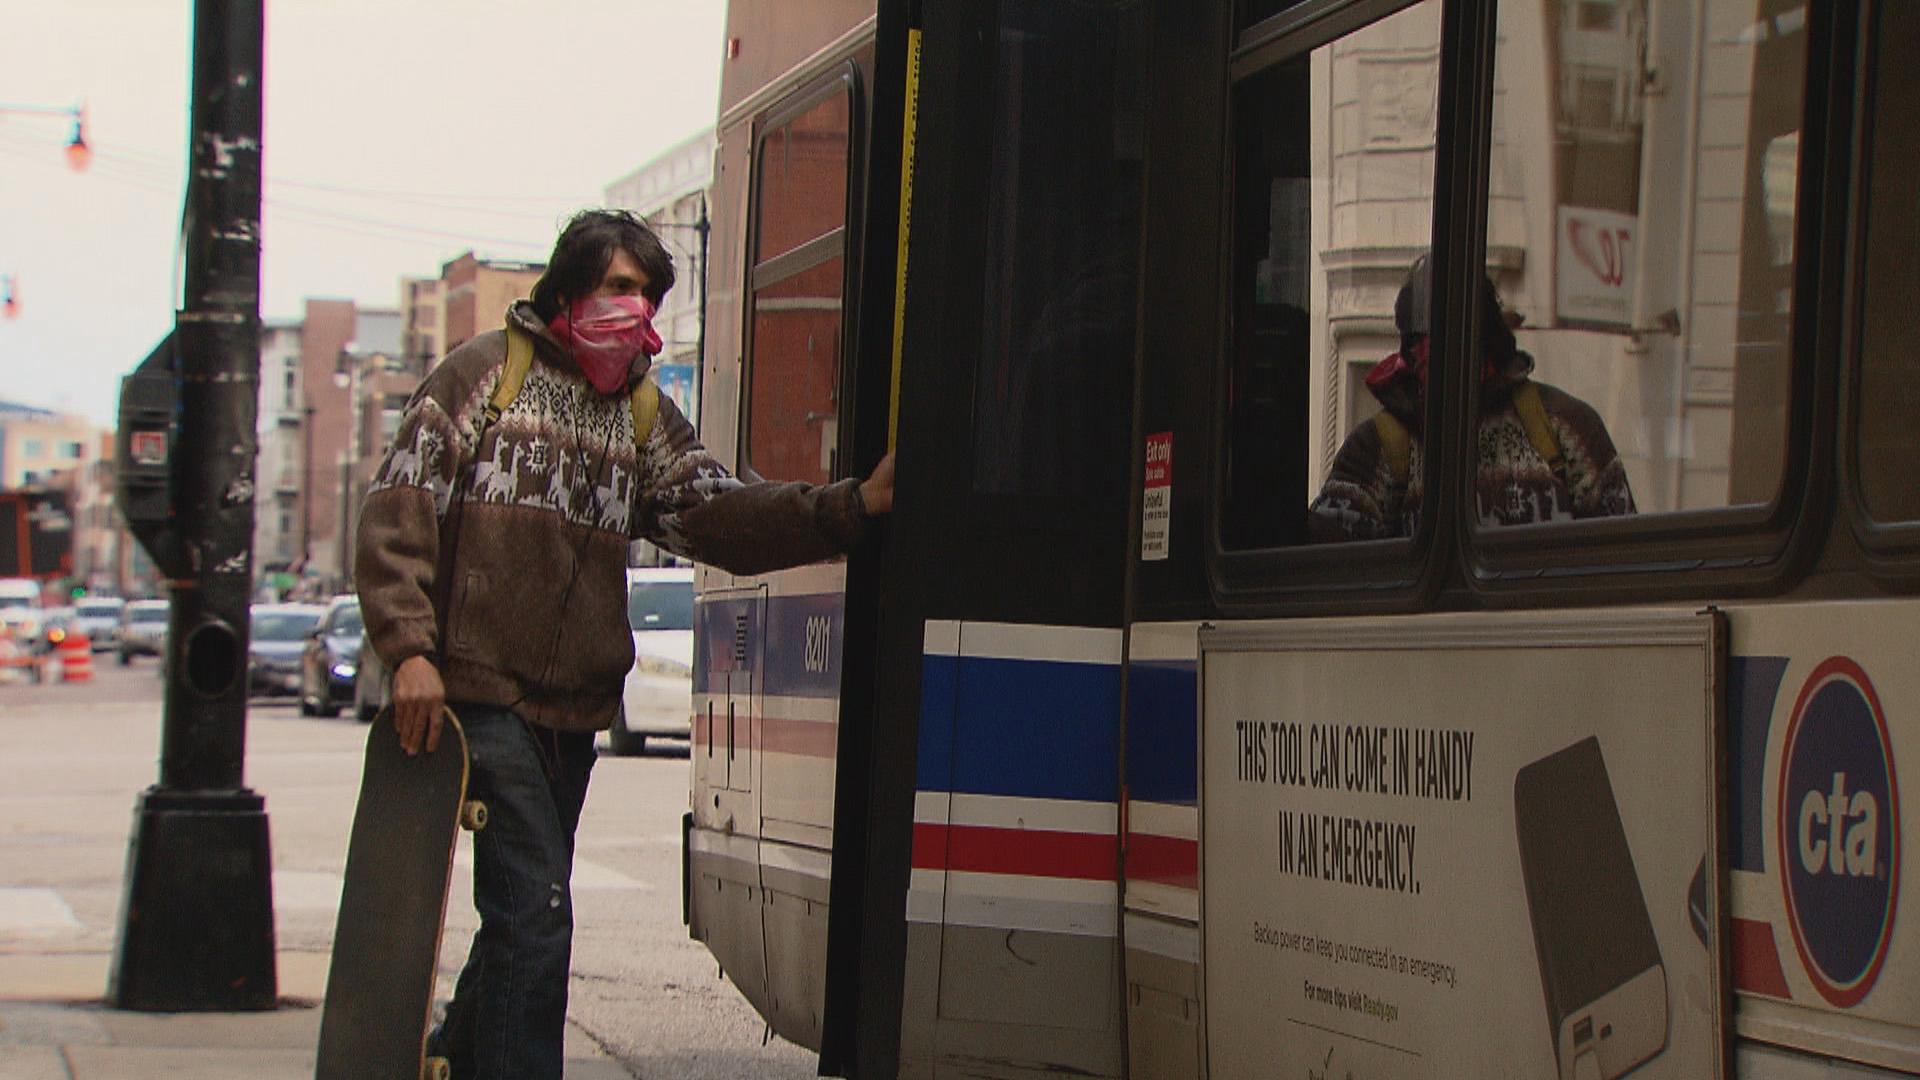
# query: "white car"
x,y
659,694
98,617
143,630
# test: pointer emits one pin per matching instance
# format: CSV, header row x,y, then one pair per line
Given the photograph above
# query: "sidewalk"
x,y
54,1026
645,1000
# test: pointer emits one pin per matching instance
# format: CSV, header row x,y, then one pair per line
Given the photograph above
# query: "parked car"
x,y
330,663
658,700
97,617
279,635
142,630
372,683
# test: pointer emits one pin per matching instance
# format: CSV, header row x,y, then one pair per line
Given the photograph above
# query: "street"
x,y
645,1000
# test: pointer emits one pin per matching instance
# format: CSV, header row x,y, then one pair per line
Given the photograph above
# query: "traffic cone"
x,y
76,658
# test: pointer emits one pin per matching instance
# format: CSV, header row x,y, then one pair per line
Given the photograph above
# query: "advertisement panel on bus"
x,y
1379,875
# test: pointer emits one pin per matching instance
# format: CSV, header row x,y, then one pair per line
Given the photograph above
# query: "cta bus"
x,y
1406,562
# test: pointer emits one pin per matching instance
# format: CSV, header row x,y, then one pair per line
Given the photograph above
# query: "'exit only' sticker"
x,y
1158,501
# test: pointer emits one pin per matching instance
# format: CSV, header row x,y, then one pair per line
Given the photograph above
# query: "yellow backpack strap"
x,y
645,404
1533,417
1396,446
513,374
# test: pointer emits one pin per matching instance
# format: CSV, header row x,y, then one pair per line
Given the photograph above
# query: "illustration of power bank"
x,y
1600,968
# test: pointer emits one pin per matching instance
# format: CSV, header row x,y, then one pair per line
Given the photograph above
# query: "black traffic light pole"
x,y
197,910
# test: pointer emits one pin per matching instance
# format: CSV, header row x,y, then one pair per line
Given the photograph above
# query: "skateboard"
x,y
393,908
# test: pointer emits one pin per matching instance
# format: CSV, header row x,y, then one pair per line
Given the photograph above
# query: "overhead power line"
x,y
438,235
174,166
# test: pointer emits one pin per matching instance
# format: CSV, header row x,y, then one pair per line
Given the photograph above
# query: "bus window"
x,y
1332,205
1062,237
794,381
1249,13
1889,393
793,365
1640,239
803,178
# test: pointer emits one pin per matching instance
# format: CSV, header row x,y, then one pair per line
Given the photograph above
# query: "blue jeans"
x,y
508,1016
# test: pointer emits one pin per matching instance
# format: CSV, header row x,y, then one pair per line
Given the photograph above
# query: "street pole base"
x,y
196,910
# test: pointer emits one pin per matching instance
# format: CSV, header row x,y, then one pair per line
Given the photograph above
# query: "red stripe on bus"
x,y
982,849
801,738
929,847
1756,960
1163,860
808,738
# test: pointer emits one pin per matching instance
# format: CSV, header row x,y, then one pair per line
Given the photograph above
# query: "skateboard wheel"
x,y
473,815
438,1068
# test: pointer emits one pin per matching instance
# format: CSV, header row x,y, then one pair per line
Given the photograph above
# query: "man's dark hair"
x,y
586,246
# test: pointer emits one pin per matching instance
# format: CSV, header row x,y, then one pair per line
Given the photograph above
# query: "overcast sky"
x,y
399,133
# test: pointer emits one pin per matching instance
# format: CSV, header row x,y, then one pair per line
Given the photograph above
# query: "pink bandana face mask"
x,y
608,337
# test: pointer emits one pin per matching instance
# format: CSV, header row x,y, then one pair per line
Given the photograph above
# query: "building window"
x,y
72,451
33,448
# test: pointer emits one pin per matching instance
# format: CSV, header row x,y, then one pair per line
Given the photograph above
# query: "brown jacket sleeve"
x,y
397,546
692,506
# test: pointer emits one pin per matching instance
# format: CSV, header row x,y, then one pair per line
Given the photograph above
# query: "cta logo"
x,y
1839,816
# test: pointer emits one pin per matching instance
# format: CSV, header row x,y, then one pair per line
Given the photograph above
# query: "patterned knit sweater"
x,y
502,554
1512,486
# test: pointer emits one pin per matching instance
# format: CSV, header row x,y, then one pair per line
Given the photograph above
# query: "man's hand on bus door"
x,y
418,697
876,492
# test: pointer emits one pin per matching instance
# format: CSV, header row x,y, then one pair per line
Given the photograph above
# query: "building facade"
x,y
106,558
281,427
333,334
423,318
37,445
475,294
41,448
379,386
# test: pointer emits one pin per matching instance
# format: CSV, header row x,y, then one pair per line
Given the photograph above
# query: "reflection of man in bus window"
x,y
1543,454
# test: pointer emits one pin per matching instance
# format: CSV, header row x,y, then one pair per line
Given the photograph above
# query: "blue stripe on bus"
x,y
1163,731
1042,729
1037,729
783,659
1753,687
939,691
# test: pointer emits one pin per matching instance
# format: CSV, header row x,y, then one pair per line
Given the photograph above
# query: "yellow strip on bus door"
x,y
908,125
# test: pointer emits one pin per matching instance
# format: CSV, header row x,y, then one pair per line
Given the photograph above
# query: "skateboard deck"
x,y
393,907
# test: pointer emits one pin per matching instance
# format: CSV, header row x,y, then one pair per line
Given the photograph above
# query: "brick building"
x,y
332,336
475,294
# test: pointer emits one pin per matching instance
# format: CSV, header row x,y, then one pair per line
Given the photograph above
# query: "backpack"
x,y
644,403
